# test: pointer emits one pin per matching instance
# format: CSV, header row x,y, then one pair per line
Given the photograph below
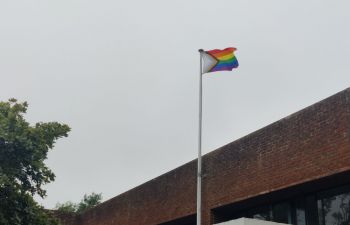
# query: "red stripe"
x,y
218,52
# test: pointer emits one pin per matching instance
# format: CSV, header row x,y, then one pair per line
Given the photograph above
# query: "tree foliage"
x,y
67,207
88,202
23,149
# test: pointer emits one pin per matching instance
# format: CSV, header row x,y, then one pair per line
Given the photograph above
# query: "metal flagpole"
x,y
199,167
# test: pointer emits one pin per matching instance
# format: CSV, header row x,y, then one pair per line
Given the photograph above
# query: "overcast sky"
x,y
124,76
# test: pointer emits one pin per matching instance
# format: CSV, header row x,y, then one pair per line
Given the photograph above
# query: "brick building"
x,y
296,170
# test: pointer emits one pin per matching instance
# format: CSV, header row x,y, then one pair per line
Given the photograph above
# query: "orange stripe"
x,y
225,57
223,53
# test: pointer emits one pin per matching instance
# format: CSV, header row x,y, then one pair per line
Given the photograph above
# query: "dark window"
x,y
300,218
334,210
282,213
311,210
331,207
261,213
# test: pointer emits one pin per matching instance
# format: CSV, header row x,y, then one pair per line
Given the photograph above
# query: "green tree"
x,y
23,149
67,207
88,202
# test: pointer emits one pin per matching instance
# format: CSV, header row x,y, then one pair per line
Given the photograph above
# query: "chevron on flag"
x,y
218,60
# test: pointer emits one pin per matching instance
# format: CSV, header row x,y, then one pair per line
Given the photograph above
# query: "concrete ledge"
x,y
248,221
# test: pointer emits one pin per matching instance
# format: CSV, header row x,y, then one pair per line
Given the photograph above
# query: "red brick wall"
x,y
305,146
65,218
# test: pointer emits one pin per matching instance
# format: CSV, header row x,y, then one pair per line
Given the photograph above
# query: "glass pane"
x,y
300,211
301,219
261,216
262,213
336,210
320,212
282,213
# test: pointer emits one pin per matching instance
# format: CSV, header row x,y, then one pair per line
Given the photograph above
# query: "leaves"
x,y
88,202
23,149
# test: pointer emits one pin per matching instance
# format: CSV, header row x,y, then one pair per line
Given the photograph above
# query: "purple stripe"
x,y
226,67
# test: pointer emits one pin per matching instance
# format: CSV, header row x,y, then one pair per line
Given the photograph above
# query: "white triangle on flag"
x,y
208,62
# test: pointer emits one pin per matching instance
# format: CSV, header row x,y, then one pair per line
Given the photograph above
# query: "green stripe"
x,y
228,61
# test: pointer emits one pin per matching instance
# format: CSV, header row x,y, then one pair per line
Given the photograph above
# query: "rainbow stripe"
x,y
226,60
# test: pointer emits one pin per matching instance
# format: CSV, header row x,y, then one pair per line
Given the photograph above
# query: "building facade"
x,y
296,170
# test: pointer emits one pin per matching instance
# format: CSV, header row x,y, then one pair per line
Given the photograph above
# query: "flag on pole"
x,y
219,60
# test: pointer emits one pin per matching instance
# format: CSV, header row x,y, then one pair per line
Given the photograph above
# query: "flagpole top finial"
x,y
200,50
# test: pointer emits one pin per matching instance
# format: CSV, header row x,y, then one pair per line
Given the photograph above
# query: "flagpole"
x,y
199,166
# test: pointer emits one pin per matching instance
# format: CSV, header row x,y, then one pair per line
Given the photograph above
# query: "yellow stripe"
x,y
225,57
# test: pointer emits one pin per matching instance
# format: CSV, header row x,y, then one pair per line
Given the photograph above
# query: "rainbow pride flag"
x,y
218,60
